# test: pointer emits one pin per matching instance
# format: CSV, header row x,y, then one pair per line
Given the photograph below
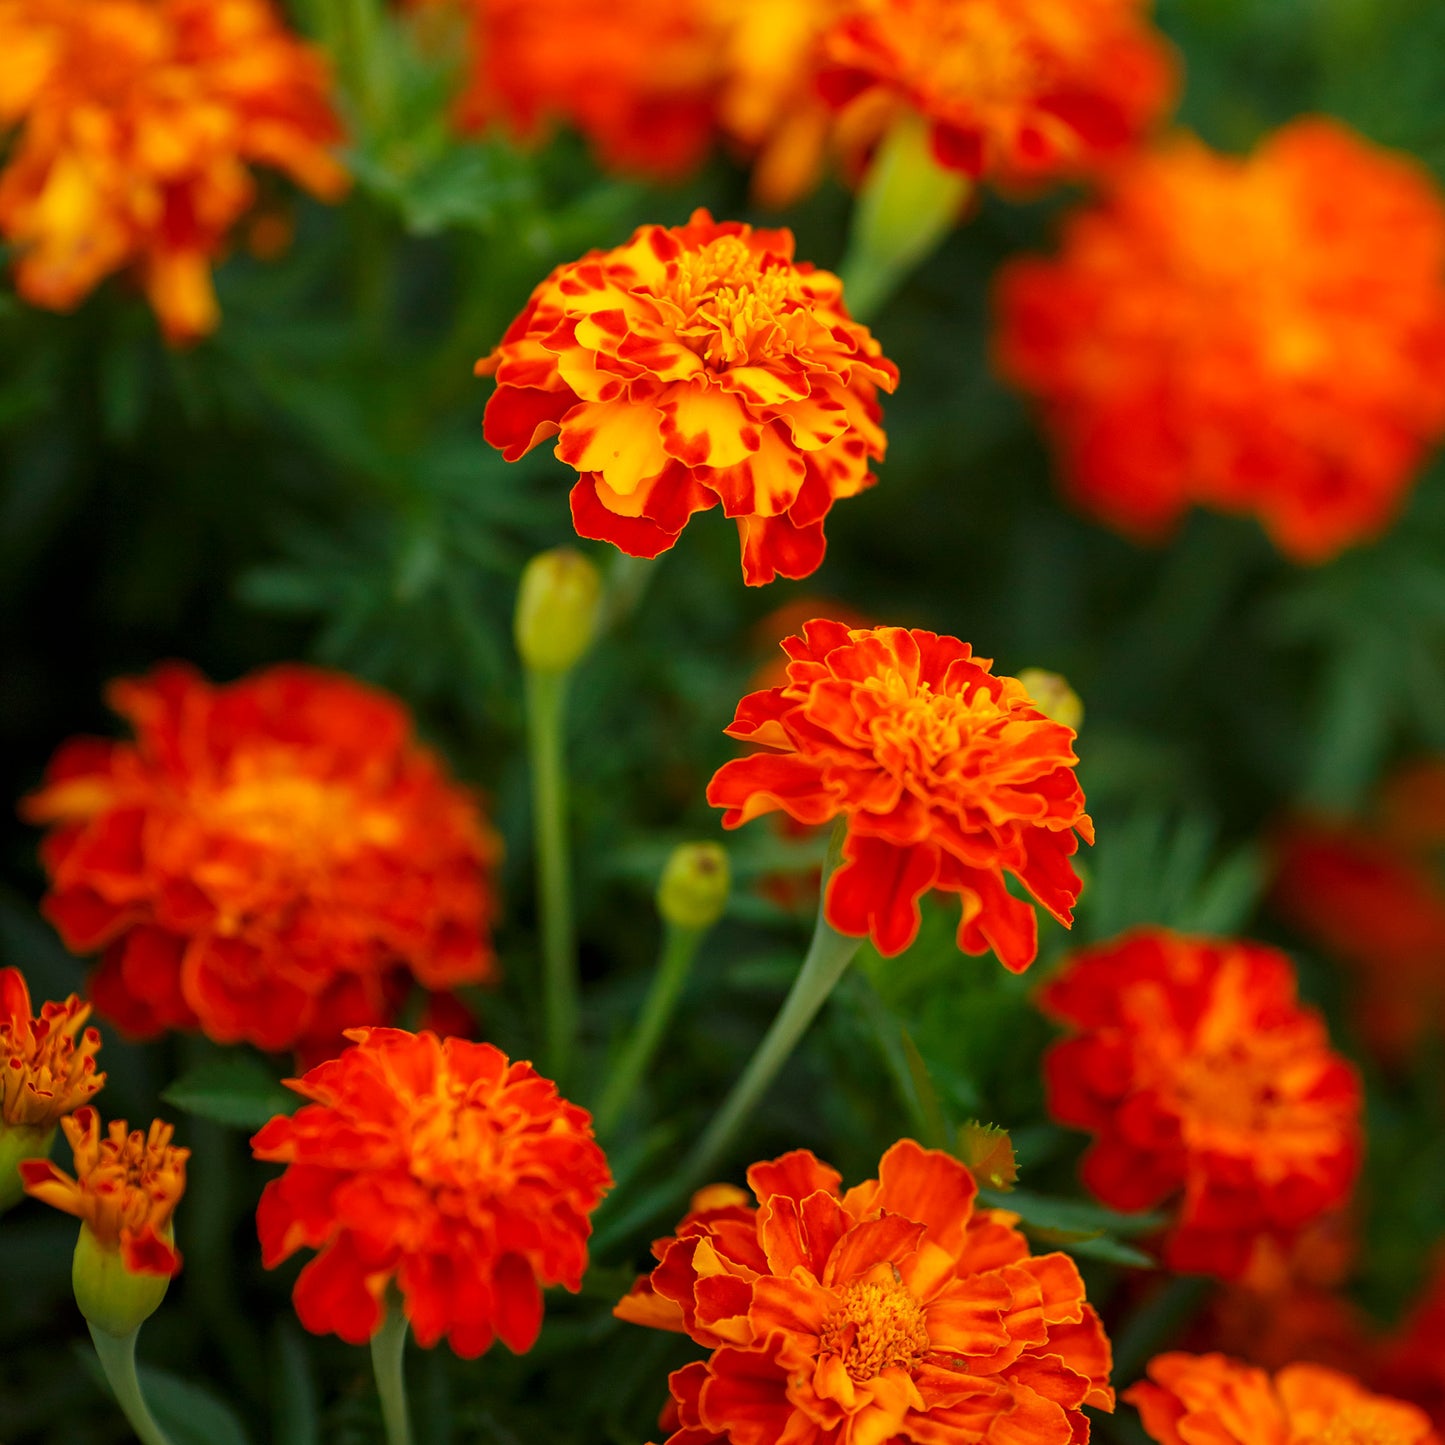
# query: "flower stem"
x,y
388,1350
117,1359
679,948
546,736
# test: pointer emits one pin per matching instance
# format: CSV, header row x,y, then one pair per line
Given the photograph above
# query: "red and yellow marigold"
x,y
1201,1076
948,778
135,125
1188,1399
269,860
696,365
1019,93
439,1168
893,1311
1262,336
47,1064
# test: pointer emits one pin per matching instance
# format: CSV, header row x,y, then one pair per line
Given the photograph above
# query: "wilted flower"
x,y
895,1311
1193,1398
1017,93
1200,1074
697,364
440,1168
268,860
1261,336
949,778
136,123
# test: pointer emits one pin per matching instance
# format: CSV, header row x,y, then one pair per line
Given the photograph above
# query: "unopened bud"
x,y
694,887
989,1153
1053,696
557,609
112,1296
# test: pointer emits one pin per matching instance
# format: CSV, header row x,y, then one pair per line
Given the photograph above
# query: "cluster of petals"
x,y
125,1189
693,366
135,127
1188,1399
1202,1076
1019,93
47,1064
1262,336
893,1311
1372,896
267,861
437,1167
948,777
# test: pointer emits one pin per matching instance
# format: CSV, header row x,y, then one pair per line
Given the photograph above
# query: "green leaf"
x,y
297,1412
189,1414
1069,1216
238,1091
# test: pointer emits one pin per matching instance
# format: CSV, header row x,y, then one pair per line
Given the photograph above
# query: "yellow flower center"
x,y
876,1327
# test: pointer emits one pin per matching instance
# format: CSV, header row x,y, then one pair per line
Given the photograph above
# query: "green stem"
x,y
117,1359
546,735
388,1350
679,948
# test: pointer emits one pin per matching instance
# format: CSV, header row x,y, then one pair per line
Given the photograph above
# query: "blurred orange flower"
x,y
895,1311
1017,93
1198,1072
267,861
1261,336
135,125
125,1190
47,1064
697,364
438,1166
949,778
1189,1399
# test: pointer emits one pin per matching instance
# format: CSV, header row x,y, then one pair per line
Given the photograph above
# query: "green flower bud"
x,y
558,605
1053,696
694,887
19,1142
111,1296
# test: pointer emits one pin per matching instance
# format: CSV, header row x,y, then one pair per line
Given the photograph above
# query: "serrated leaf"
x,y
237,1091
989,1153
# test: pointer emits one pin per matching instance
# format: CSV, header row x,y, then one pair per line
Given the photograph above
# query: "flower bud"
x,y
1053,696
558,605
17,1144
694,887
112,1296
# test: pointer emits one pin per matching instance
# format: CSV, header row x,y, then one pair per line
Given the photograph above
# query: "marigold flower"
x,y
267,861
1198,1072
697,364
1191,1398
136,124
1018,93
125,1191
438,1166
895,1311
948,776
1194,343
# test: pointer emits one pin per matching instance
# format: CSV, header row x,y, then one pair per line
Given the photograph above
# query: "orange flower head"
x,y
1196,343
1018,91
267,861
1192,1398
948,777
135,126
895,1311
440,1168
47,1064
125,1190
1199,1073
697,364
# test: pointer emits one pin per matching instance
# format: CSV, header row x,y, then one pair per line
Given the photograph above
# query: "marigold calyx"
x,y
1053,696
112,1296
558,606
18,1144
694,887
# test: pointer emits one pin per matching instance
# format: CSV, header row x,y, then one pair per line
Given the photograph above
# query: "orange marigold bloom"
x,y
697,364
47,1064
895,1311
125,1190
267,861
1189,1399
438,1166
136,123
1195,343
949,778
1198,1072
1015,92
